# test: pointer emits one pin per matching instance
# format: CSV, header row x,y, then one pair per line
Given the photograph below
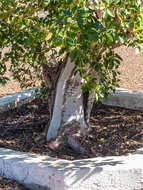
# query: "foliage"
x,y
87,30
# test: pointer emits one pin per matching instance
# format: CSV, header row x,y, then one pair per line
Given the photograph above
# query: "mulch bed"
x,y
8,184
114,131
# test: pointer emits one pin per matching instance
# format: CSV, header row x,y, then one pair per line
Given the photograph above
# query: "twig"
x,y
26,126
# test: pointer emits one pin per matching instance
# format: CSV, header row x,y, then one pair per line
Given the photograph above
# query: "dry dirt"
x,y
131,69
7,184
114,131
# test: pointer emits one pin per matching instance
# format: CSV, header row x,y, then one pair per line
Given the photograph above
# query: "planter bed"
x,y
115,131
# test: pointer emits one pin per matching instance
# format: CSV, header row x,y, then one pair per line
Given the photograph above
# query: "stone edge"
x,y
16,100
130,99
47,173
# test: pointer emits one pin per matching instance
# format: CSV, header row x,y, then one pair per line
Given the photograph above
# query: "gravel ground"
x,y
131,69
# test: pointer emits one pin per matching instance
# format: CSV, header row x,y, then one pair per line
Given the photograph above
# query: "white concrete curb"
x,y
15,100
46,173
130,99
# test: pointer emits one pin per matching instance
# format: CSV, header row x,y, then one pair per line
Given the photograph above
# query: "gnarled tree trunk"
x,y
66,102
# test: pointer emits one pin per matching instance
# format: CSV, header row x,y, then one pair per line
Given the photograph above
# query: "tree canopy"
x,y
36,32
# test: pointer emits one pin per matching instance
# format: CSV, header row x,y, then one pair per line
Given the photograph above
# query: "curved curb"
x,y
46,173
15,100
130,99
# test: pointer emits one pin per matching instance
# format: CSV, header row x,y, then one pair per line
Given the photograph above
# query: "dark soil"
x,y
114,131
7,184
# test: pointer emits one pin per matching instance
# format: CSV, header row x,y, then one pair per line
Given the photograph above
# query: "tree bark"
x,y
67,104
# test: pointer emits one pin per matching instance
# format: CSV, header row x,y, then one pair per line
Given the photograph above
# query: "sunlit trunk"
x,y
69,105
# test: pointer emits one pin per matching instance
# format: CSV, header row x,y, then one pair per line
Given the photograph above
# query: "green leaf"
x,y
46,2
123,39
110,12
29,42
74,54
4,80
109,36
118,56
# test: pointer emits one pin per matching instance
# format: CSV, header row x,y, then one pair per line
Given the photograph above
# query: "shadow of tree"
x,y
79,170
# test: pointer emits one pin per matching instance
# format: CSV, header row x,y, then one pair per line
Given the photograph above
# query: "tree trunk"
x,y
68,106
